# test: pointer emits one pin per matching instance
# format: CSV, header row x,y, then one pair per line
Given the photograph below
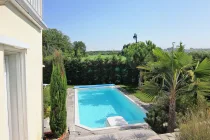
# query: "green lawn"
x,y
70,86
144,97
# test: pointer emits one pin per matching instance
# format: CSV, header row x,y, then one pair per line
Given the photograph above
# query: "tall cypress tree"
x,y
58,85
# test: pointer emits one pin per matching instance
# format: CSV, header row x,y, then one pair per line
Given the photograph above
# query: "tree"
x,y
170,74
58,85
135,37
55,40
138,54
79,48
200,55
124,47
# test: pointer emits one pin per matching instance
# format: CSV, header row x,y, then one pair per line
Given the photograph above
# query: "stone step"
x,y
142,134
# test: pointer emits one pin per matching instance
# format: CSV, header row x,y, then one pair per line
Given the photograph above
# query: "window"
x,y
16,94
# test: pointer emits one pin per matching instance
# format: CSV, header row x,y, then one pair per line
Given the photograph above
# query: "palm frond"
x,y
182,59
143,67
204,88
151,87
203,70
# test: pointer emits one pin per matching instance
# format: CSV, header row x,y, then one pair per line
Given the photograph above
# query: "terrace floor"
x,y
128,133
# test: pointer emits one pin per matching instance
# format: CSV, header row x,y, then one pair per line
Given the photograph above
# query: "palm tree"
x,y
135,37
170,75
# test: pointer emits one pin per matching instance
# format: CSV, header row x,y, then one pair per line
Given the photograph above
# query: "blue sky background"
x,y
109,24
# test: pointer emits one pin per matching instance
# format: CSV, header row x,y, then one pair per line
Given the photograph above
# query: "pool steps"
x,y
115,121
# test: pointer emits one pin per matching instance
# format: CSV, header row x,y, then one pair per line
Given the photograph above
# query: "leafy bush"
x,y
157,116
184,103
46,98
58,93
196,125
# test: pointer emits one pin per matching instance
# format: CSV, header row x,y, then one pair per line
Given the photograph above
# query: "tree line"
x,y
56,40
79,70
94,71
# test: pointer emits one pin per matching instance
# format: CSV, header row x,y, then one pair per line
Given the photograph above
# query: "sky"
x,y
109,24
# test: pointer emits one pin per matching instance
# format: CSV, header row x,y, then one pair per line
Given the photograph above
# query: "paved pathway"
x,y
169,136
136,134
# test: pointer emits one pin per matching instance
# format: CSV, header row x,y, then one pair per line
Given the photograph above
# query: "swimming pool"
x,y
94,104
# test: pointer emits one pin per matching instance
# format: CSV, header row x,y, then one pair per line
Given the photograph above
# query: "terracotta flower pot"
x,y
49,136
62,137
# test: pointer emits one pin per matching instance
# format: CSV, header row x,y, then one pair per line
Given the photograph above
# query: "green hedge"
x,y
97,71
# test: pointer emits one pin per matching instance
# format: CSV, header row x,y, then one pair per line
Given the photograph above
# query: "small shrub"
x,y
47,112
46,98
157,116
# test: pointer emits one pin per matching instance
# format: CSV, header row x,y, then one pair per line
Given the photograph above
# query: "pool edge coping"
x,y
77,121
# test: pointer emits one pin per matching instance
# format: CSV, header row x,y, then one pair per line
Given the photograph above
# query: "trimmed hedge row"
x,y
97,71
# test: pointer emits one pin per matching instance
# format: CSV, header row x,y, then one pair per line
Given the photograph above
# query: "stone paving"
x,y
169,136
136,134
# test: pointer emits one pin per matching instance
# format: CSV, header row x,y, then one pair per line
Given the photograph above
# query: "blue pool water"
x,y
97,104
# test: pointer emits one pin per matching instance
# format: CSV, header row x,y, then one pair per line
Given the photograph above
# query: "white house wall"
x,y
15,25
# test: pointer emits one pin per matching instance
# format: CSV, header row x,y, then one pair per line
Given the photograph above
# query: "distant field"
x,y
92,57
103,52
